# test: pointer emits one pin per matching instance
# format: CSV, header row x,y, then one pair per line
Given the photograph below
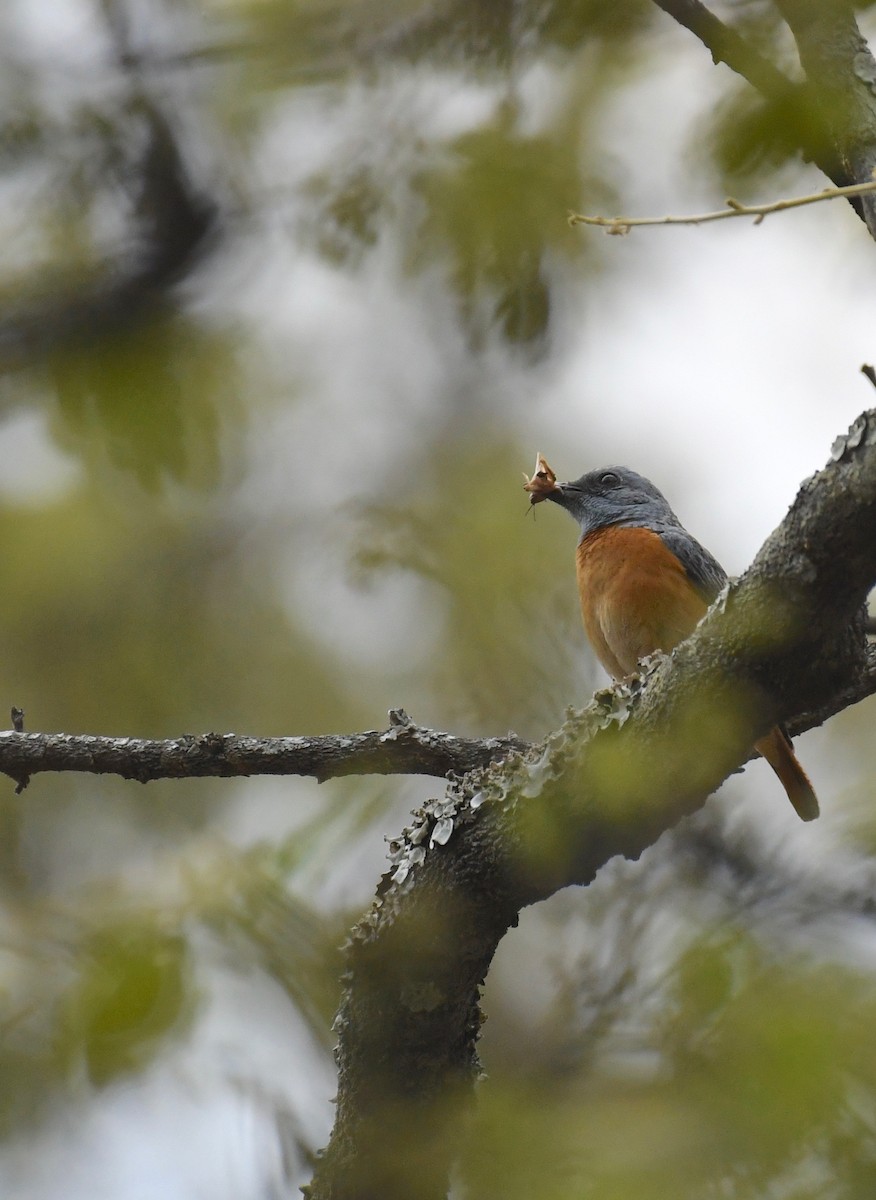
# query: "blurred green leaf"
x,y
755,1067
154,398
132,990
749,138
496,207
513,649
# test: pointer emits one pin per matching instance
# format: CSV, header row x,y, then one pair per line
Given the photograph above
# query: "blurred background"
x,y
288,301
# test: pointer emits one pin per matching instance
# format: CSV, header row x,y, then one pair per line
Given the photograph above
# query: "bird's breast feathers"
x,y
636,596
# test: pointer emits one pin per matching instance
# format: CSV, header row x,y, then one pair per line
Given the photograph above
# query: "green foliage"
x,y
92,999
156,398
750,137
754,1077
513,651
131,992
127,595
495,205
102,988
349,214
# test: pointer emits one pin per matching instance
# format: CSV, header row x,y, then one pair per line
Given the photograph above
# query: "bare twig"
x,y
623,225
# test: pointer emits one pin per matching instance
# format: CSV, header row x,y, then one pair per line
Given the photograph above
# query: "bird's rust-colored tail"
x,y
777,750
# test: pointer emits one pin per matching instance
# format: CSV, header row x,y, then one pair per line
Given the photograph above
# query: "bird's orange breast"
x,y
636,596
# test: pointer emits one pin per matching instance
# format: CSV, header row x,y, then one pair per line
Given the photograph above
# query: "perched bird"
x,y
644,584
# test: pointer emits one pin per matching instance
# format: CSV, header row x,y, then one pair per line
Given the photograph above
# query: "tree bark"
x,y
402,749
841,80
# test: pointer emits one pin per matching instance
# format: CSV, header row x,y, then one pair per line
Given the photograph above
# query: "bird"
x,y
645,583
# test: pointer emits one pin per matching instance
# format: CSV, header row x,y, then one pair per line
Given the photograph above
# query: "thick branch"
x,y
727,46
787,638
841,74
804,108
858,689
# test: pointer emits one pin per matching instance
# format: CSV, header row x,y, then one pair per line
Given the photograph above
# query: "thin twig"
x,y
622,225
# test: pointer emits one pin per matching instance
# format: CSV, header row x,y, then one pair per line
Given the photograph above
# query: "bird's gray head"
x,y
613,496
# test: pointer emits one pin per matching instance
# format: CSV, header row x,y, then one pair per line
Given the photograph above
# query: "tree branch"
x,y
727,46
841,74
785,639
405,748
402,749
820,132
858,689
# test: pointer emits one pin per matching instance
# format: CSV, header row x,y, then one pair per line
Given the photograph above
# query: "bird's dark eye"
x,y
609,479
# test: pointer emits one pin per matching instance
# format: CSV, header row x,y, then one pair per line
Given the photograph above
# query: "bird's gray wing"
x,y
705,572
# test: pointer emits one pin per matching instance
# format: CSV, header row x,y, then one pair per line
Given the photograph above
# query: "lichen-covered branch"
x,y
787,638
402,749
862,685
